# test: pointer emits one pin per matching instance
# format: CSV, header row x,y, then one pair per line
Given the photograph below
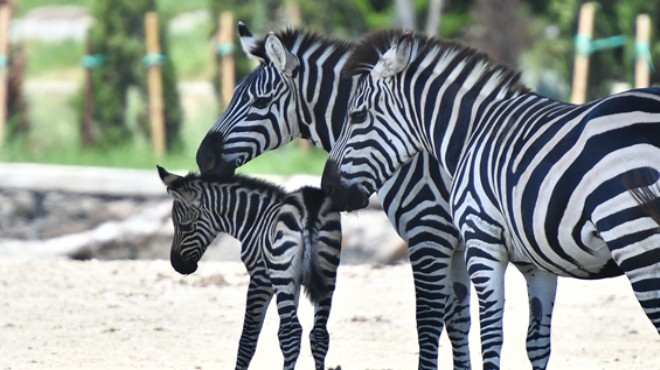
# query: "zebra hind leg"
x,y
318,336
635,248
541,289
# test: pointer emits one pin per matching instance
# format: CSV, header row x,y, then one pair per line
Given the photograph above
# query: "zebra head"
x,y
192,232
374,142
261,114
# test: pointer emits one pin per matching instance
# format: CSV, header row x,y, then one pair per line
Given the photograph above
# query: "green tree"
x,y
117,39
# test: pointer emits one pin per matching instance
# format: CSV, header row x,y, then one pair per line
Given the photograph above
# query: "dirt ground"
x,y
59,314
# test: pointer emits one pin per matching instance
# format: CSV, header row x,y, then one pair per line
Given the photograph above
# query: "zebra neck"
x,y
462,114
323,94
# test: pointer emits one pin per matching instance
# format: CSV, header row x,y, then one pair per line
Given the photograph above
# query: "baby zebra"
x,y
288,239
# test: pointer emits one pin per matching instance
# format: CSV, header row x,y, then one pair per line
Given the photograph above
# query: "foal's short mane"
x,y
290,36
371,47
243,181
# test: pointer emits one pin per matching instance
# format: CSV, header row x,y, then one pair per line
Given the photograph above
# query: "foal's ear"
x,y
186,195
167,178
281,57
396,59
249,42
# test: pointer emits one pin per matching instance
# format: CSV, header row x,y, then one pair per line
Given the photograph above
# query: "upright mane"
x,y
370,48
244,181
303,39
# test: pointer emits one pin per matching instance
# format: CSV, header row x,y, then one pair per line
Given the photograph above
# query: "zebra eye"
x,y
359,116
188,226
260,102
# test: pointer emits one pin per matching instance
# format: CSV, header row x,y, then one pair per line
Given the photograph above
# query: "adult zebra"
x,y
297,91
540,183
288,239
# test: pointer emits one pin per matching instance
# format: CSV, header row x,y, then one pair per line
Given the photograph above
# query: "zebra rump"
x,y
646,191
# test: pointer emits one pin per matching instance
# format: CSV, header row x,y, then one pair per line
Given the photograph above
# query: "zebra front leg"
x,y
259,294
487,264
541,289
430,265
457,312
290,331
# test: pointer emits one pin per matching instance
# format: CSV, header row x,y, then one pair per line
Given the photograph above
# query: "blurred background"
x,y
79,76
57,45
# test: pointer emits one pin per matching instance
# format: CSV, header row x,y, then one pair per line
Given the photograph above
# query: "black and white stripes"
x,y
288,240
298,91
546,185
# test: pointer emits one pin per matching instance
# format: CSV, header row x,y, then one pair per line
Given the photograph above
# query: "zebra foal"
x,y
288,240
557,189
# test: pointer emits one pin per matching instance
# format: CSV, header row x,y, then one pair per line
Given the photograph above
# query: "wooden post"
x,y
5,18
642,51
582,44
155,84
226,57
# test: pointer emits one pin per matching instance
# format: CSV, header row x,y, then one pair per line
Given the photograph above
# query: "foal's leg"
x,y
259,295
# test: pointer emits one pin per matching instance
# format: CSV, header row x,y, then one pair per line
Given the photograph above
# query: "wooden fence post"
x,y
582,46
643,51
225,51
153,61
5,18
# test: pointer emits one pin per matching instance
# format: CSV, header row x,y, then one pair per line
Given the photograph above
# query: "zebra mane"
x,y
240,180
305,39
371,47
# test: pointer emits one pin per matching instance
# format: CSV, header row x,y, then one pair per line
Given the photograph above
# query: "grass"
x,y
54,137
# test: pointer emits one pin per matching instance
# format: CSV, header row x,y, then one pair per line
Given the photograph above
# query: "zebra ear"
x,y
396,59
282,58
167,178
248,42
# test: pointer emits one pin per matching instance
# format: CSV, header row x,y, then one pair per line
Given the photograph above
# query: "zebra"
x,y
556,189
288,240
298,91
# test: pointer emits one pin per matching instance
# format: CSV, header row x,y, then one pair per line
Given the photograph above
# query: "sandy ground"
x,y
58,314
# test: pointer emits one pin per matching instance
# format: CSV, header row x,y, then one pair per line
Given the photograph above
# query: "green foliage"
x,y
612,18
120,38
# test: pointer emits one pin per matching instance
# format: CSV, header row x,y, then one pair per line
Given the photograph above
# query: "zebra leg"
x,y
457,311
431,290
541,289
318,336
290,331
487,264
640,261
259,295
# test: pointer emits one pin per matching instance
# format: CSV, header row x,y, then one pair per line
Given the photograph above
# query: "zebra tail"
x,y
646,192
313,279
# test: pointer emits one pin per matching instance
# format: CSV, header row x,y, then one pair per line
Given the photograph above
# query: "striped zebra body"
x,y
288,240
557,189
298,91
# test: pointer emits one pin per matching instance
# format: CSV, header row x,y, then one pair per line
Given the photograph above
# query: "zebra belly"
x,y
593,262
